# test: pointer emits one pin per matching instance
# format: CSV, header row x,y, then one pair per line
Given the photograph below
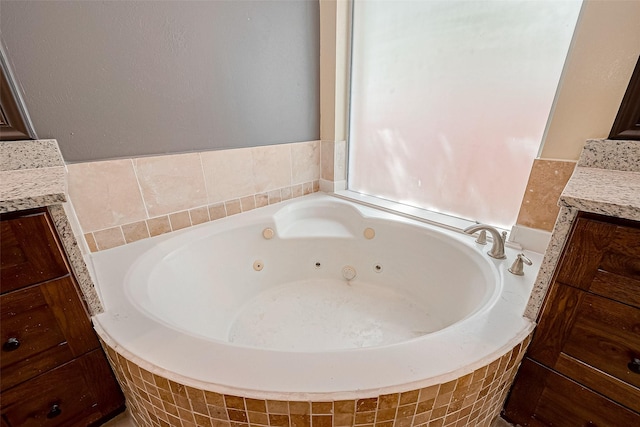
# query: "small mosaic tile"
x,y
248,203
109,238
199,215
159,225
135,231
474,399
262,199
274,196
233,207
179,220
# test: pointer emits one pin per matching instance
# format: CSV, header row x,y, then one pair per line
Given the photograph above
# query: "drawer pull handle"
x,y
634,365
54,411
11,344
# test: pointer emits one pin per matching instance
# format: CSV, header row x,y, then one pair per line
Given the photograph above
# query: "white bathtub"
x,y
220,307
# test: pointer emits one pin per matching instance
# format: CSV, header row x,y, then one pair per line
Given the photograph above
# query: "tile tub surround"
x,y
539,208
32,175
122,201
474,399
606,181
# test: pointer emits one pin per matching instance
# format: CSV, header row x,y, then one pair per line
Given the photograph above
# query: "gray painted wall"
x,y
123,79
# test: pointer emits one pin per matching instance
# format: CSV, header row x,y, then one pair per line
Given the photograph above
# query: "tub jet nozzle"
x,y
348,272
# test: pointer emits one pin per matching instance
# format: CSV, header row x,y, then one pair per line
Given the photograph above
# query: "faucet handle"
x,y
517,267
497,249
482,237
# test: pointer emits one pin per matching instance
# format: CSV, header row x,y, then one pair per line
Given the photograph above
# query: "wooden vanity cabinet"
x,y
583,365
53,370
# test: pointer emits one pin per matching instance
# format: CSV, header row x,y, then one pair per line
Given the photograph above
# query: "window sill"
x,y
536,243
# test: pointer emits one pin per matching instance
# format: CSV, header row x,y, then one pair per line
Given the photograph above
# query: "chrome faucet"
x,y
497,248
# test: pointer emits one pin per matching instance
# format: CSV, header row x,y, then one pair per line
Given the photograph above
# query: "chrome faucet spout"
x,y
497,248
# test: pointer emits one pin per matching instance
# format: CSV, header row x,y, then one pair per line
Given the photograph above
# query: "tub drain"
x,y
348,272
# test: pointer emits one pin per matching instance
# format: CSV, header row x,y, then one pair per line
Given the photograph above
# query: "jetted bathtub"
x,y
316,302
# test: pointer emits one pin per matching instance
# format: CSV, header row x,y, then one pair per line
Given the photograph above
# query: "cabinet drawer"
x,y
542,397
592,339
29,251
603,258
606,335
79,392
41,327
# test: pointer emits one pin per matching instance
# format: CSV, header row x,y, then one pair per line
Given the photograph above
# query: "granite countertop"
x,y
32,175
604,191
606,181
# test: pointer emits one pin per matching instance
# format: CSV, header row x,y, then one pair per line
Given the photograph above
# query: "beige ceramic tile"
x,y
179,220
109,238
274,197
91,242
296,191
228,174
105,194
135,231
171,183
307,188
262,199
199,215
327,160
217,211
233,207
305,162
271,167
439,405
286,193
539,207
340,161
159,225
248,203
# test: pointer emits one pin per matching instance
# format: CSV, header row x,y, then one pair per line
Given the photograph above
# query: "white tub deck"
x,y
341,354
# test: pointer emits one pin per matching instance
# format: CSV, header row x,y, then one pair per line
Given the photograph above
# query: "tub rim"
x,y
477,345
148,260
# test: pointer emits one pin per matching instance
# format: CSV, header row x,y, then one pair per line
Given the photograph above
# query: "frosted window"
x,y
450,99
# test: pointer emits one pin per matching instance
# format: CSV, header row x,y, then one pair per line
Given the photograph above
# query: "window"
x,y
450,99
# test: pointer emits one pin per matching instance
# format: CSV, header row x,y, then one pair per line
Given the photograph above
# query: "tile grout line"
x,y
135,172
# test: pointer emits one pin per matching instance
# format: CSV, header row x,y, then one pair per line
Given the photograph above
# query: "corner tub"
x,y
313,301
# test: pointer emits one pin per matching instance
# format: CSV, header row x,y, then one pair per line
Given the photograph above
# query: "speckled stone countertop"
x,y
603,191
606,181
32,174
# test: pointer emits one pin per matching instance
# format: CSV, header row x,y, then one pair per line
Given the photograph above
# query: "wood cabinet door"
x,y
542,397
42,327
78,393
13,125
582,364
603,258
591,339
30,253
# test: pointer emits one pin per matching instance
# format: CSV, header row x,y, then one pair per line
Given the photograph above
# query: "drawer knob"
x,y
54,411
11,344
634,365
